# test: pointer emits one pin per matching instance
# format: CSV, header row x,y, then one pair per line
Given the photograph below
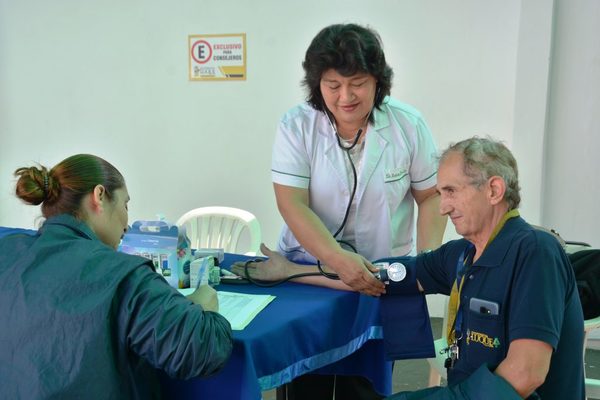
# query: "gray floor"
x,y
413,374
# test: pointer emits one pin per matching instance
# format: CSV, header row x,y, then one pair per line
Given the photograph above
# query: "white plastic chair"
x,y
222,228
437,371
592,386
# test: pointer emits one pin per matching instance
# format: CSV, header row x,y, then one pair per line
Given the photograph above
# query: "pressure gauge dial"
x,y
396,272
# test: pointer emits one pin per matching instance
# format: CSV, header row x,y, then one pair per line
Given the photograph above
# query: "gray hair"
x,y
484,158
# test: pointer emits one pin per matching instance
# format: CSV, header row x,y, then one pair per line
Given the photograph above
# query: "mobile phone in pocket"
x,y
485,307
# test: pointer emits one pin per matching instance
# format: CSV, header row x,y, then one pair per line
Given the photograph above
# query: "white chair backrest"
x,y
445,320
592,386
437,371
222,228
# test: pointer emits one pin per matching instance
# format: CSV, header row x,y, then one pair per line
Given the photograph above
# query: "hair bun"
x,y
35,185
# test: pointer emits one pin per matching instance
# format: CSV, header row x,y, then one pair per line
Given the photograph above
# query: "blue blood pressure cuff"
x,y
404,316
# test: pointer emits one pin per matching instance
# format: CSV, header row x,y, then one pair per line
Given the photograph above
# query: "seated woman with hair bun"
x,y
81,320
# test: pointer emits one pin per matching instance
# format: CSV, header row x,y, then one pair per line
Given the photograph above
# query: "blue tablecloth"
x,y
307,329
303,329
9,231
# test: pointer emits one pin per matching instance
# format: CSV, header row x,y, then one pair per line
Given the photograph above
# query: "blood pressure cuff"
x,y
404,317
482,384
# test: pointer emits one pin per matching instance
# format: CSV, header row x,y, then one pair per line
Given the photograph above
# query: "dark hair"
x,y
63,187
349,49
484,158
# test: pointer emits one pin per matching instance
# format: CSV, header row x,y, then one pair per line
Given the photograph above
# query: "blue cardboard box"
x,y
165,245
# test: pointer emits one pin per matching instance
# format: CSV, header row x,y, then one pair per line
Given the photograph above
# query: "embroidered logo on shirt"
x,y
392,175
482,338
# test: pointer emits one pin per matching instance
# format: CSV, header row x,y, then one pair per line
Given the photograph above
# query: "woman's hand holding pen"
x,y
206,297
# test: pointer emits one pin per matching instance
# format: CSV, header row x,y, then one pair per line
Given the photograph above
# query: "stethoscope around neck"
x,y
339,138
347,150
322,272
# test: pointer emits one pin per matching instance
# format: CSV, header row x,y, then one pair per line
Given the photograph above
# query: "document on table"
x,y
241,308
238,308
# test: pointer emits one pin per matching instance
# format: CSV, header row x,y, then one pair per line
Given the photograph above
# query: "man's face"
x,y
466,205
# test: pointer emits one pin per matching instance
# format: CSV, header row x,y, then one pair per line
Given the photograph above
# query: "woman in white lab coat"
x,y
349,165
394,157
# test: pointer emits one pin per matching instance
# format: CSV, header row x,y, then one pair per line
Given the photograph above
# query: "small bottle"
x,y
214,276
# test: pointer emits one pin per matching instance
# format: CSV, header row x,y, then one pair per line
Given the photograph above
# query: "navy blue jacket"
x,y
81,320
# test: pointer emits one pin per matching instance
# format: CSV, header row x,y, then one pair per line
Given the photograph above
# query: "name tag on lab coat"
x,y
392,175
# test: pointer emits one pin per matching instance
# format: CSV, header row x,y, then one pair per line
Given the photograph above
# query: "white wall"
x,y
531,102
112,80
110,77
571,192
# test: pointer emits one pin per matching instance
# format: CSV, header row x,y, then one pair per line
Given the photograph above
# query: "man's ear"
x,y
98,198
497,188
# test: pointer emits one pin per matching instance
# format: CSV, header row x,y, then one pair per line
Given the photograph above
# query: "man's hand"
x,y
206,297
275,268
355,271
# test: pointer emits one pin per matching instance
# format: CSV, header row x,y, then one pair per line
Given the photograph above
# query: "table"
x,y
304,329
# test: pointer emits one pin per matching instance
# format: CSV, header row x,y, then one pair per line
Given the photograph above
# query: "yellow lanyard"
x,y
454,303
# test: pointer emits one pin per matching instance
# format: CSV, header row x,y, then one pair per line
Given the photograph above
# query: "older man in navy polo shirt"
x,y
515,326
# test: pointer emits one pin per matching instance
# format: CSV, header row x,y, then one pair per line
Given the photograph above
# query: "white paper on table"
x,y
238,308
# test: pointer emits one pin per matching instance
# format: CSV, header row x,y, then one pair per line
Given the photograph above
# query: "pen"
x,y
227,272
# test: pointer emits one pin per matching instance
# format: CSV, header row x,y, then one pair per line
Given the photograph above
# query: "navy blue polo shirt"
x,y
525,272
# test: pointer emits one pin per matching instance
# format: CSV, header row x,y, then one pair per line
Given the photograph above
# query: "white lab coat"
x,y
399,154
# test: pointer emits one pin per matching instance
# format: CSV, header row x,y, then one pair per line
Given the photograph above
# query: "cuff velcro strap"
x,y
406,327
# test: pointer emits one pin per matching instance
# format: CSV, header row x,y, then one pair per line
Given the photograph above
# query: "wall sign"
x,y
217,57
